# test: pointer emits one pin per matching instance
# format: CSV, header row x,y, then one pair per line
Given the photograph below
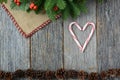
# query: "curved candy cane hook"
x,y
82,48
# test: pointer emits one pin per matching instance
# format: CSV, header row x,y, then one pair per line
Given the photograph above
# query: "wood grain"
x,y
14,48
73,58
53,47
108,35
46,47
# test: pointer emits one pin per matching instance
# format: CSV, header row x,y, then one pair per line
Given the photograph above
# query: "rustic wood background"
x,y
52,47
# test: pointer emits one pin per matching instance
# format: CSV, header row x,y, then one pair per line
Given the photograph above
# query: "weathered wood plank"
x,y
46,47
108,35
14,48
73,58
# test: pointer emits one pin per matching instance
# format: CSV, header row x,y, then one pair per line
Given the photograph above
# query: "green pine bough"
x,y
67,8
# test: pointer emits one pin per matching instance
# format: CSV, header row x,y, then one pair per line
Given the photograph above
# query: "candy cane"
x,y
82,48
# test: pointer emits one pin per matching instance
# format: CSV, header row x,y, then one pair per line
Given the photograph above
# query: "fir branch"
x,y
52,8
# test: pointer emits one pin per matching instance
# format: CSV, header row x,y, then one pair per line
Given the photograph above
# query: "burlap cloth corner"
x,y
26,23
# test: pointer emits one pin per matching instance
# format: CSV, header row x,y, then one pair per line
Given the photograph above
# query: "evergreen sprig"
x,y
67,8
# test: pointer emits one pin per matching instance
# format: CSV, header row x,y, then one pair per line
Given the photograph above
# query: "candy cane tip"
x,y
82,51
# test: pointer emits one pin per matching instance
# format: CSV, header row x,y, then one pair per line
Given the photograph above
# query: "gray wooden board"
x,y
46,47
14,49
108,35
73,58
53,47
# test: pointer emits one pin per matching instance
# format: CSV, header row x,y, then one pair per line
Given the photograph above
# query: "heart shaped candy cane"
x,y
82,48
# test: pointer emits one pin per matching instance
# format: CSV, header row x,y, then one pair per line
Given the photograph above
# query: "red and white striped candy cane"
x,y
82,48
